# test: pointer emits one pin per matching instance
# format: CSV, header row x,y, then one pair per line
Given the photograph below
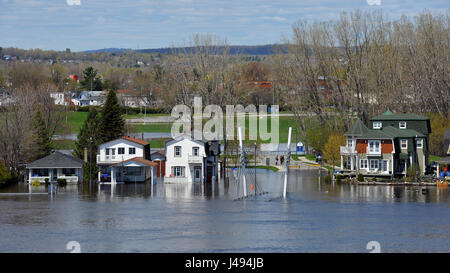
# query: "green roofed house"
x,y
388,146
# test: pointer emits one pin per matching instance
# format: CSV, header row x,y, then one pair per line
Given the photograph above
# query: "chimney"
x,y
85,155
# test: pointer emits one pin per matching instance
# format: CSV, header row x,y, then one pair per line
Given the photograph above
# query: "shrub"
x,y
374,179
411,172
327,179
338,178
360,177
46,180
36,183
61,182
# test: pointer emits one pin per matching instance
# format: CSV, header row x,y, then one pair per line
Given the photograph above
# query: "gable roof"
x,y
390,132
183,137
358,129
57,160
139,160
388,115
135,140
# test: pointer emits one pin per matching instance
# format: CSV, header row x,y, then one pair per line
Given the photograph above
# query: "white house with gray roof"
x,y
56,166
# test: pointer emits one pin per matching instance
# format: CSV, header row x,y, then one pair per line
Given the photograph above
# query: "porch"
x,y
130,171
71,175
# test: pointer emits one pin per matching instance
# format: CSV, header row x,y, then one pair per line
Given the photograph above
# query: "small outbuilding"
x,y
56,166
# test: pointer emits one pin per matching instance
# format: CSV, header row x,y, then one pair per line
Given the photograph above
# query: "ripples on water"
x,y
316,217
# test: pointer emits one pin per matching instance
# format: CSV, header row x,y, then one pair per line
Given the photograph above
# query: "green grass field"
x,y
433,158
75,122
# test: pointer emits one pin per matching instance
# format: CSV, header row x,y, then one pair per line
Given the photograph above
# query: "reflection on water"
x,y
316,217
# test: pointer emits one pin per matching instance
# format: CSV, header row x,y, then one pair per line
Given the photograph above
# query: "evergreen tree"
x,y
112,124
89,138
42,136
90,80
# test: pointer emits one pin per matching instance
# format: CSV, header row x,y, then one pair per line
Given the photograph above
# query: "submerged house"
x,y
392,144
191,160
56,166
125,159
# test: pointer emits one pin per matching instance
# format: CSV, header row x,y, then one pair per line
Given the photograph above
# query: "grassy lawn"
x,y
151,127
158,143
65,144
142,115
434,158
74,123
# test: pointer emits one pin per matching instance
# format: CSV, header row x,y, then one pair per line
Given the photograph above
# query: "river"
x,y
315,217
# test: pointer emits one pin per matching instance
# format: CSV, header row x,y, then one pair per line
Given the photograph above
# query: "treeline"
x,y
328,74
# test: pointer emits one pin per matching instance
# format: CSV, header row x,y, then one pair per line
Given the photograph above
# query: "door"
x,y
197,174
55,175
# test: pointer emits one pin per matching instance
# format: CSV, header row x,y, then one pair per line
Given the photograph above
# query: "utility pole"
x,y
90,162
255,168
288,157
242,163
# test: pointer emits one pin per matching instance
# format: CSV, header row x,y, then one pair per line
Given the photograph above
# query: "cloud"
x,y
73,2
275,18
374,2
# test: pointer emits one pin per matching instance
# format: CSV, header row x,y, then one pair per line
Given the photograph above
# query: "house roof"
x,y
161,152
135,140
139,160
57,160
358,129
445,160
388,115
390,133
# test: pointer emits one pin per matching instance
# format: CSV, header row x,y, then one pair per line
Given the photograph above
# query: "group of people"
x,y
281,160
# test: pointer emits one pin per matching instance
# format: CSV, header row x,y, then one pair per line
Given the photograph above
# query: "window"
x,y
363,164
349,142
121,151
384,165
133,171
177,151
68,171
420,143
374,164
132,151
195,151
107,152
374,146
110,151
377,125
178,171
404,143
402,125
40,172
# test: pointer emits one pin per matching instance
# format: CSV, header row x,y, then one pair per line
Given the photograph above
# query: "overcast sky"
x,y
95,24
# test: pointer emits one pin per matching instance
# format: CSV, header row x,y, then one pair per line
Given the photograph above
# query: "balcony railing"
x,y
348,150
373,151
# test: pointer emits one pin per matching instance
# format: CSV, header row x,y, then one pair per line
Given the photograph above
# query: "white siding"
x,y
116,144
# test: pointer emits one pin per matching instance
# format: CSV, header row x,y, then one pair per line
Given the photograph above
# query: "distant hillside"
x,y
234,50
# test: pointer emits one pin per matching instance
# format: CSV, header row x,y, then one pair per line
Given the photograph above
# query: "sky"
x,y
139,24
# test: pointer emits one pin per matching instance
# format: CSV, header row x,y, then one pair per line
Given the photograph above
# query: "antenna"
x,y
288,157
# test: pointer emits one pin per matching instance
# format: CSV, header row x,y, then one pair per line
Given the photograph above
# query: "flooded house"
x,y
191,160
388,147
125,160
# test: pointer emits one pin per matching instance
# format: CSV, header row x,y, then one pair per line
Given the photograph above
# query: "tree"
x,y
89,138
43,138
331,150
90,80
112,124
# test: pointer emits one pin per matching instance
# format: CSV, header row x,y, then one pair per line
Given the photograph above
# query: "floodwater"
x,y
315,217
